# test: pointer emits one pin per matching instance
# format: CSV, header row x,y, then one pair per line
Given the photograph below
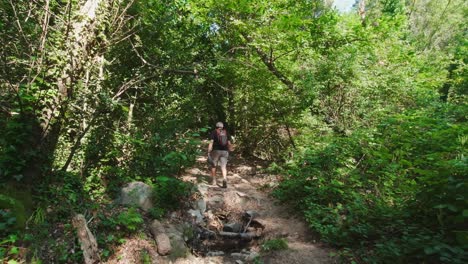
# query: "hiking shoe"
x,y
224,184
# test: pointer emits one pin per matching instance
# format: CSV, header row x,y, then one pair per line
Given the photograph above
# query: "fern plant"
x,y
130,219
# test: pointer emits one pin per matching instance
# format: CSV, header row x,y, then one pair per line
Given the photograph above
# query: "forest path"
x,y
249,190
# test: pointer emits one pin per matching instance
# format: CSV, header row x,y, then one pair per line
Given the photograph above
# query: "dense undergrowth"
x,y
45,234
49,236
396,193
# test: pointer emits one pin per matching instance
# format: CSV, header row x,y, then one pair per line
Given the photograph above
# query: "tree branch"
x,y
274,70
20,28
284,54
272,67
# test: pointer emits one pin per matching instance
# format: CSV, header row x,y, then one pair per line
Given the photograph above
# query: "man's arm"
x,y
229,143
210,146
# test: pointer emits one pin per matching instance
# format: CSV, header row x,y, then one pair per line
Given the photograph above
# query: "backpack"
x,y
222,138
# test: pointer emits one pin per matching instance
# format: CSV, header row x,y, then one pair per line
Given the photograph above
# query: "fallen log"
x,y
87,240
243,236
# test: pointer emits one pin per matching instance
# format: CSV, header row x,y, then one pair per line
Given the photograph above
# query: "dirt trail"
x,y
248,190
228,225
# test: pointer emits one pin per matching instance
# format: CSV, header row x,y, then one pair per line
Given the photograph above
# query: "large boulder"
x,y
179,248
137,194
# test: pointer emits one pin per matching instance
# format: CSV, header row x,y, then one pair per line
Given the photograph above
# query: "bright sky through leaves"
x,y
344,5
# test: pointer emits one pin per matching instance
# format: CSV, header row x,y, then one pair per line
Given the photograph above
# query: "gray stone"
x,y
203,189
179,248
251,214
164,244
252,256
174,215
257,223
196,215
201,205
247,170
137,194
215,253
241,194
162,239
216,199
232,227
237,255
215,202
156,228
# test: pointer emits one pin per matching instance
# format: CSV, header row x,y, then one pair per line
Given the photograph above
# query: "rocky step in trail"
x,y
228,225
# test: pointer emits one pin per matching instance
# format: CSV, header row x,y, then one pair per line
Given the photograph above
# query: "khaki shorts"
x,y
221,156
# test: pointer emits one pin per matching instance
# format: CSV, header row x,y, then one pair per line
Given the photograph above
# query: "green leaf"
x,y
429,250
14,250
462,237
465,213
452,208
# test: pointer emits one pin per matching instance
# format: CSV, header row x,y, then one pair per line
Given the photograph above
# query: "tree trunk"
x,y
231,111
45,134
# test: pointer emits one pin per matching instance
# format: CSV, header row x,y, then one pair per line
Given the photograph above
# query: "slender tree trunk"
x,y
232,111
362,11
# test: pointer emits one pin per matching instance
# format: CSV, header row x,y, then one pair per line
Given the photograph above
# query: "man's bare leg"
x,y
213,175
224,172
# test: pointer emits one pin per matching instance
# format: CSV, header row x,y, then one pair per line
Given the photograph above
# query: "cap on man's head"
x,y
219,125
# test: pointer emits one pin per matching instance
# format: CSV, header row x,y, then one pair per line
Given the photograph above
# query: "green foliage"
x,y
14,210
13,143
397,189
7,220
65,195
274,245
188,232
10,210
258,260
145,257
157,212
130,219
169,193
127,220
7,248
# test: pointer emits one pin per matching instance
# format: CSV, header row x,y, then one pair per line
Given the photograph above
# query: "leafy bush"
x,y
14,138
160,153
130,219
169,192
10,210
399,190
7,246
274,245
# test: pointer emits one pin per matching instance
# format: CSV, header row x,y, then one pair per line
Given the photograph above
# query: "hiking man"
x,y
218,150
